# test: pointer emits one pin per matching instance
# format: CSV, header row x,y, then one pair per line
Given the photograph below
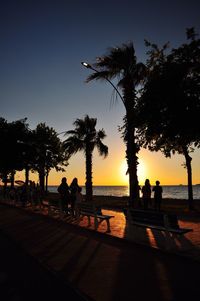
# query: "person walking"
x,y
157,195
63,190
146,194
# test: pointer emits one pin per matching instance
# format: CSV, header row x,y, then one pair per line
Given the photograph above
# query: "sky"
x,y
41,77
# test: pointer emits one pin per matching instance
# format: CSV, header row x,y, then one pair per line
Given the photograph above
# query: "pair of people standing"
x,y
69,194
146,195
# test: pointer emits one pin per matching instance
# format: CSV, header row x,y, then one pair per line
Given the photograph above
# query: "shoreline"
x,y
171,192
120,203
125,198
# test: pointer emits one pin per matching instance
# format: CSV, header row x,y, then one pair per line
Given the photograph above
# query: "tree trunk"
x,y
88,184
46,183
132,169
26,175
5,181
42,179
188,161
12,179
131,150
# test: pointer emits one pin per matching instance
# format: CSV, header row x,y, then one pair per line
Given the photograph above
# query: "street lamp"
x,y
86,65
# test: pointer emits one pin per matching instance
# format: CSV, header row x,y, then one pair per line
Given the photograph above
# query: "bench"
x,y
90,210
155,220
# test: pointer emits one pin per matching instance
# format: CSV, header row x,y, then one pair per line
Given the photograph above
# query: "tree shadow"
x,y
153,271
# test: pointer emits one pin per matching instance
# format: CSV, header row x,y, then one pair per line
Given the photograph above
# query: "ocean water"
x,y
175,192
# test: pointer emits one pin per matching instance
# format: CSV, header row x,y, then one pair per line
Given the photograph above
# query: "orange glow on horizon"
x,y
112,170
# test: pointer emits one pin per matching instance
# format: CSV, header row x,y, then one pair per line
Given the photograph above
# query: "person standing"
x,y
63,190
79,196
146,194
157,195
74,188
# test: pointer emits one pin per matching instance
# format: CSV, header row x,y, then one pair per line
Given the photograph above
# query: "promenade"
x,y
95,265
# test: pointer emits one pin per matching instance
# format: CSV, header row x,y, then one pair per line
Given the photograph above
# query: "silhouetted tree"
x,y
4,168
85,138
49,152
11,153
170,103
121,63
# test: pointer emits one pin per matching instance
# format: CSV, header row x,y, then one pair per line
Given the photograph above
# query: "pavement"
x,y
46,257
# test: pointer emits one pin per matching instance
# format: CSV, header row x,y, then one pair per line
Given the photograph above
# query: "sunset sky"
x,y
41,76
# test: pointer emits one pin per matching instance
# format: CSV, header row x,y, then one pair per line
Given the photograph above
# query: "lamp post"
x,y
86,65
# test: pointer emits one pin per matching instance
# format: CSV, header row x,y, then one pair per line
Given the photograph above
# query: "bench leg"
x,y
49,210
61,213
89,221
108,225
95,223
78,217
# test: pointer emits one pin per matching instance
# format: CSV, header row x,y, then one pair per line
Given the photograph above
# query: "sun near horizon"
x,y
141,172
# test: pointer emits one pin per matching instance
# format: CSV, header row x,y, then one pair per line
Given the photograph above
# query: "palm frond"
x,y
100,75
102,149
72,145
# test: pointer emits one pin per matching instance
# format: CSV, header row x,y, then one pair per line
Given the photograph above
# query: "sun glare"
x,y
123,170
141,172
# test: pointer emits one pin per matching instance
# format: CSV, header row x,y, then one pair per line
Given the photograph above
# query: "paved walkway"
x,y
115,266
186,245
22,278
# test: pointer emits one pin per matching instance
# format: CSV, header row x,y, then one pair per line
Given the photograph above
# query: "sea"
x,y
173,191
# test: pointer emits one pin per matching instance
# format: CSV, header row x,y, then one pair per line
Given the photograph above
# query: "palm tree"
x,y
121,63
85,138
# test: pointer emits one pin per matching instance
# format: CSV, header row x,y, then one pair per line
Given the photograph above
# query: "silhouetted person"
x,y
63,190
157,195
146,194
33,193
137,188
74,188
12,194
79,196
23,195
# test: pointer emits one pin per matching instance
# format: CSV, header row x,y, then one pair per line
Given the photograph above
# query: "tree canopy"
x,y
169,107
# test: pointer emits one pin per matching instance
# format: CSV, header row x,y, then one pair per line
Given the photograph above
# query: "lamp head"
x,y
86,64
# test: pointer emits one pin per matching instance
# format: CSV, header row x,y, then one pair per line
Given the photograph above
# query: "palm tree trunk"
x,y
132,168
88,184
131,147
188,161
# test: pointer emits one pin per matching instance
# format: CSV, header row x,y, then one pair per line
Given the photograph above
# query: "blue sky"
x,y
44,42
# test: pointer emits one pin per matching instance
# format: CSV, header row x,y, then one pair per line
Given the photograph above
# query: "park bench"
x,y
90,210
155,220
